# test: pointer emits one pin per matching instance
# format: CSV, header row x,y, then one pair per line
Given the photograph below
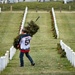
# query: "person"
x,y
24,44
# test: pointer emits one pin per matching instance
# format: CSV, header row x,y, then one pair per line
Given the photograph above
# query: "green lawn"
x,y
66,26
9,27
43,51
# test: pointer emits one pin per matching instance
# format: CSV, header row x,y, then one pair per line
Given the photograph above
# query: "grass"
x,y
43,51
9,26
66,25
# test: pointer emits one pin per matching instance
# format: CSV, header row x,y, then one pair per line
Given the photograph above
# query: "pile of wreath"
x,y
31,29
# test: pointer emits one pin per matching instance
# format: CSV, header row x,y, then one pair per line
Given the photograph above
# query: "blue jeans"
x,y
27,55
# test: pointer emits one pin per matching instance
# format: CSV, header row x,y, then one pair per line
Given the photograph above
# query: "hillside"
x,y
43,51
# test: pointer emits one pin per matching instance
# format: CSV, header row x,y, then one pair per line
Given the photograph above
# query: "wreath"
x,y
31,29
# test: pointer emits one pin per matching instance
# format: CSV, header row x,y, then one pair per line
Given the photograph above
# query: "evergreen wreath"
x,y
31,29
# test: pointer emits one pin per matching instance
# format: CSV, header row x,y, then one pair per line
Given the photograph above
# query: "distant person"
x,y
24,44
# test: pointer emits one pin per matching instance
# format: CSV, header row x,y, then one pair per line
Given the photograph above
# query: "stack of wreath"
x,y
31,28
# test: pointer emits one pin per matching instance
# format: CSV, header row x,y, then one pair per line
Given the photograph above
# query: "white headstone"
x,y
0,10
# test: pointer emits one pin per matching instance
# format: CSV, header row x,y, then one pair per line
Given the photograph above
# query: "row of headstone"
x,y
23,21
55,23
3,1
66,1
70,54
4,60
16,1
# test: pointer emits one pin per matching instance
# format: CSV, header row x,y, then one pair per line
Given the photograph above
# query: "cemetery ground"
x,y
43,45
66,26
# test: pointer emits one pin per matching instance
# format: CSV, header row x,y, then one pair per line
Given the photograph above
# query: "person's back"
x,y
25,42
25,48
